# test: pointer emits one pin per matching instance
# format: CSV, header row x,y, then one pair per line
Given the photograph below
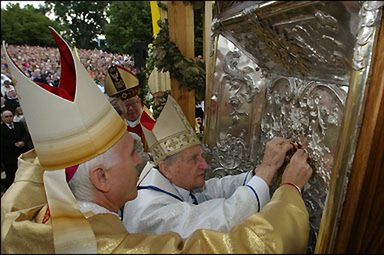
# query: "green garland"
x,y
166,56
162,6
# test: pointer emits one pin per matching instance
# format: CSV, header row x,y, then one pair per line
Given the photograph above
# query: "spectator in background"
x,y
37,77
199,113
120,108
11,101
121,83
18,114
6,87
14,138
4,77
2,103
46,60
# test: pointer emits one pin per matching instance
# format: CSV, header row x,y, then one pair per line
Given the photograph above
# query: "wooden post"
x,y
181,32
163,13
207,30
361,225
209,61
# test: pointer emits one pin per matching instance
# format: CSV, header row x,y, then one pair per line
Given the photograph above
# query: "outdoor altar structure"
x,y
311,71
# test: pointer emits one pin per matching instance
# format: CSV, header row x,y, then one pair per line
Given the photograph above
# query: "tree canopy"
x,y
129,22
83,21
26,25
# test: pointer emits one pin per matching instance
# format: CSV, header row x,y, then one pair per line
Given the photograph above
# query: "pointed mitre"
x,y
159,81
170,134
120,82
69,124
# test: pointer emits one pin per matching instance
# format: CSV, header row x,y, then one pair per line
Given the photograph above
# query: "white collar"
x,y
182,192
155,179
133,124
86,206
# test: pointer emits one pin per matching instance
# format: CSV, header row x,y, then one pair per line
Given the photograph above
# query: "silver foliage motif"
x,y
316,44
310,113
239,83
306,53
367,26
229,157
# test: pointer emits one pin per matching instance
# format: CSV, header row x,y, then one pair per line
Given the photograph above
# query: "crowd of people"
x,y
42,64
80,189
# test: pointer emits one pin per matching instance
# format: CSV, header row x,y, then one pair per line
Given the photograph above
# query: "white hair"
x,y
80,184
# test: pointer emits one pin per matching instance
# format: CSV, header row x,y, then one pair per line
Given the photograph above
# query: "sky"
x,y
24,3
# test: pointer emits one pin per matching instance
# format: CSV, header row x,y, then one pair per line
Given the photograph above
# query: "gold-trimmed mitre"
x,y
120,82
170,134
69,124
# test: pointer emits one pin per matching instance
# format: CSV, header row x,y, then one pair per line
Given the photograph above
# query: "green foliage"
x,y
166,56
82,20
26,26
162,6
150,61
129,22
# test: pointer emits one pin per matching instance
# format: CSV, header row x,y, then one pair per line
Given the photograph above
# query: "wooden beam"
x,y
181,32
207,46
361,225
209,59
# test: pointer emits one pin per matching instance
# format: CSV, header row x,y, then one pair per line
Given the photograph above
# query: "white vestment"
x,y
223,203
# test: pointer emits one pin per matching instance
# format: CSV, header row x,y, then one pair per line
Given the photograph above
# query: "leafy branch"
x,y
166,56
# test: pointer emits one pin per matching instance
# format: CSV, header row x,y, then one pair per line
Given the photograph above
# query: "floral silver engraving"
x,y
239,83
229,157
306,52
367,26
308,112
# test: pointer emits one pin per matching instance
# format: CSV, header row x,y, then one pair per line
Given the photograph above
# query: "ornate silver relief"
x,y
229,157
368,19
240,85
300,56
315,44
308,112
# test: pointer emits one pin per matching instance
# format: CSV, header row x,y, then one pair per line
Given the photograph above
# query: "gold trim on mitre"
x,y
120,82
170,134
65,132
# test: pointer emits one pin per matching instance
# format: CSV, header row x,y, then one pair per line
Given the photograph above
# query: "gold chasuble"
x,y
281,226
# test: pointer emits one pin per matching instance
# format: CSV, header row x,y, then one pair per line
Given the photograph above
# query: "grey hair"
x,y
80,184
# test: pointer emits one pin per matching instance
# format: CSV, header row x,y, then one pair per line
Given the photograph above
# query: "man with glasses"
x,y
122,83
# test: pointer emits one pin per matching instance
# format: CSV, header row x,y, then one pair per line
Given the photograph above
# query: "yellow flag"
x,y
155,17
